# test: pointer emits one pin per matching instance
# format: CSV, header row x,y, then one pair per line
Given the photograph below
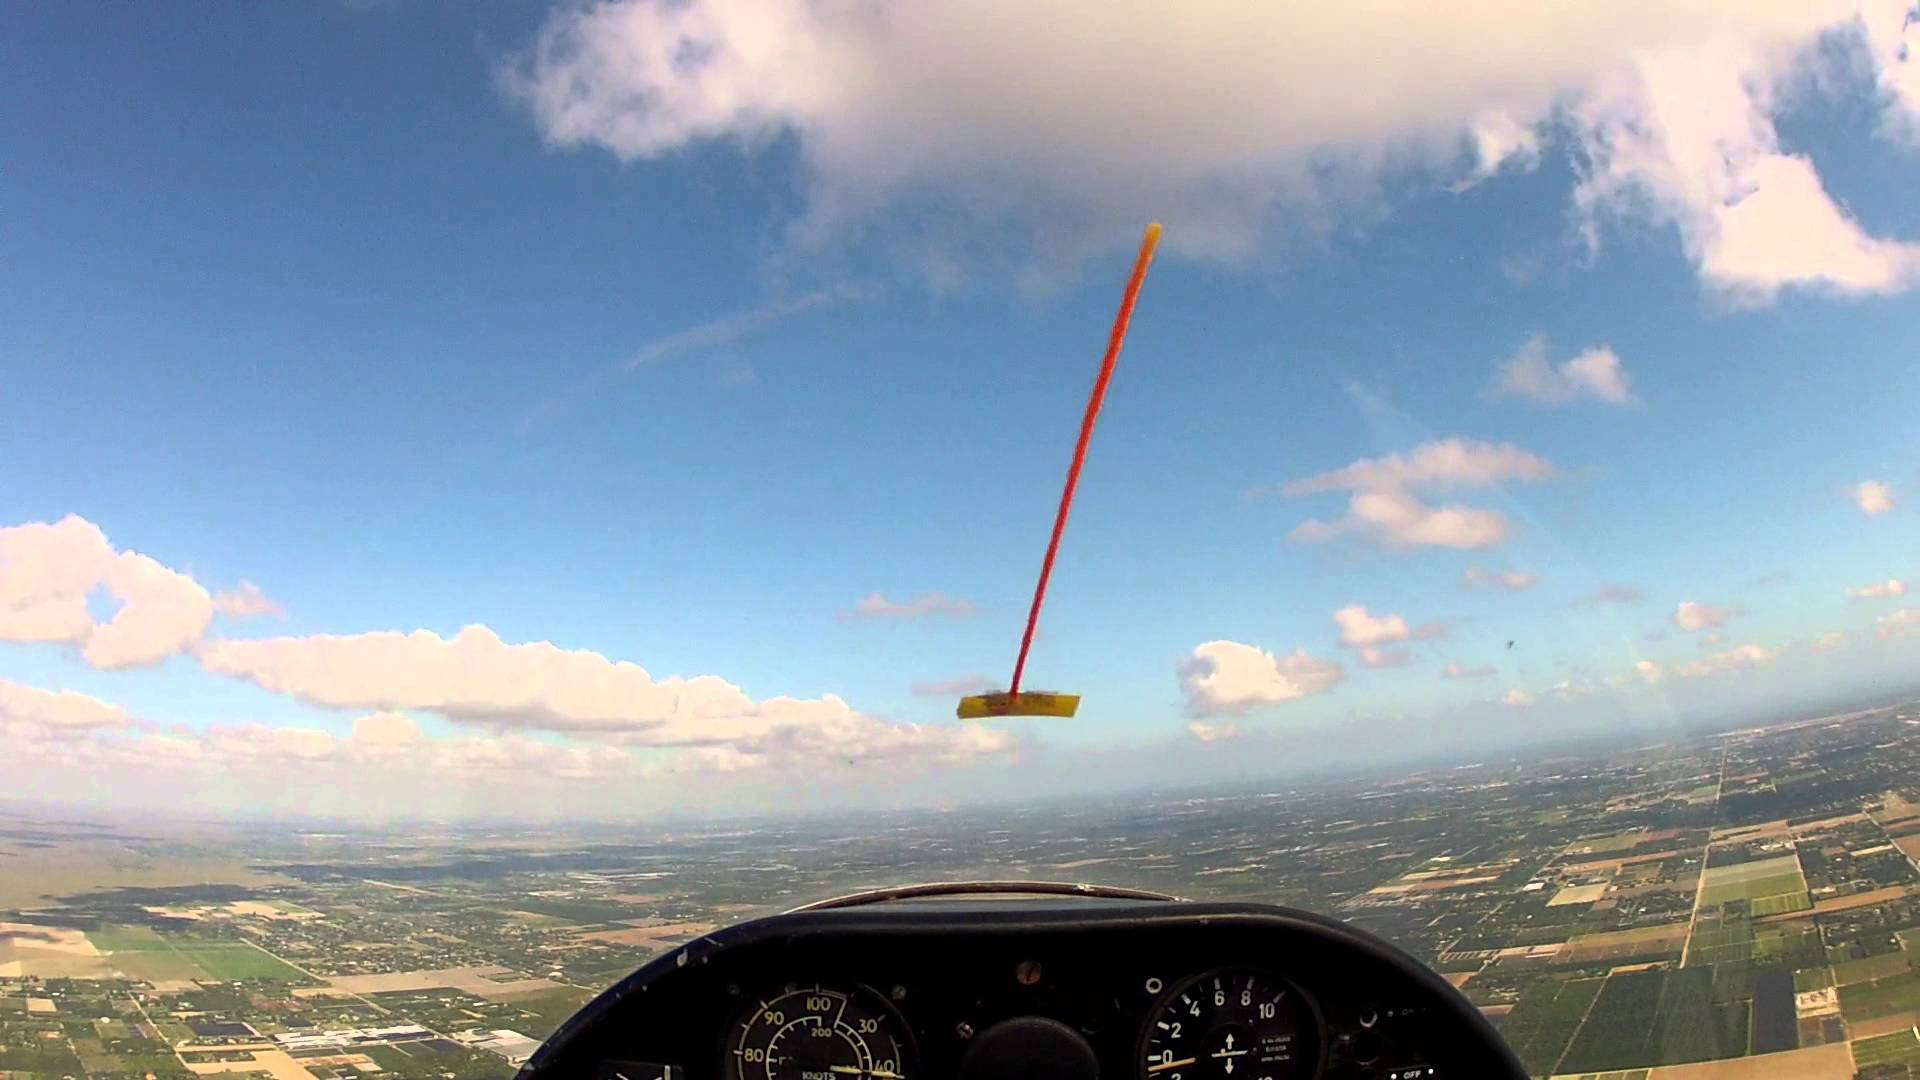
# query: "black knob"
x,y
1029,1048
1366,1048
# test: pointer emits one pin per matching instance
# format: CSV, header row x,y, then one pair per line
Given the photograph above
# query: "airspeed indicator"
x,y
818,1034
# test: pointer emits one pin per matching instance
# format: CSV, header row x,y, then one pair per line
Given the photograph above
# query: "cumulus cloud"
x,y
391,745
49,572
1529,375
1897,624
1829,641
1226,677
1517,698
1738,658
1455,671
476,678
28,712
1475,577
1618,595
938,124
972,684
1878,589
245,601
1648,671
1211,733
1693,616
1385,658
1365,632
875,605
1686,136
1383,503
1358,629
1873,497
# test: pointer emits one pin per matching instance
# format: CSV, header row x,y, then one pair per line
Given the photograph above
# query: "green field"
x,y
552,1007
1869,968
1648,1018
1880,997
228,961
1753,881
142,954
1544,1020
1791,944
1812,978
1727,941
1899,1048
156,965
1781,903
113,939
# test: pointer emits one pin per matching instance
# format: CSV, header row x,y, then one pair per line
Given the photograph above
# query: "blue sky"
x,y
333,300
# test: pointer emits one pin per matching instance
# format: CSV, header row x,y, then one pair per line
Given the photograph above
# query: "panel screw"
x,y
1027,972
963,1029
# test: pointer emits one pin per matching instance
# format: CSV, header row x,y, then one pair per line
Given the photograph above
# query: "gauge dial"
x,y
819,1033
1230,1025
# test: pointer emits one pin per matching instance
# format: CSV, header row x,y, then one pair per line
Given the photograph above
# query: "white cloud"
x,y
1693,616
1382,505
1829,641
1499,140
1455,671
1649,671
1686,136
1210,733
1226,677
1873,497
1517,698
1260,122
245,602
476,678
1738,658
1898,623
1474,577
1385,658
383,761
1530,375
1439,465
1358,629
30,712
875,605
1878,589
48,573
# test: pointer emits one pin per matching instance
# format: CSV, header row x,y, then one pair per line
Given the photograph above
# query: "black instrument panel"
x,y
996,988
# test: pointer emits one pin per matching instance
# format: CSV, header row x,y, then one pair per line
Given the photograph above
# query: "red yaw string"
x,y
1118,337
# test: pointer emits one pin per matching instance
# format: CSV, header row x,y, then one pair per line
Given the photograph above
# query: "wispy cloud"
x,y
1476,577
875,605
245,602
715,334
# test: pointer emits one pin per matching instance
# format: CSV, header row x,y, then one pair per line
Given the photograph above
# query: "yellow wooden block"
x,y
1025,703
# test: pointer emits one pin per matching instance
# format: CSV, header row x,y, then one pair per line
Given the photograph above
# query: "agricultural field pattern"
x,y
1737,906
